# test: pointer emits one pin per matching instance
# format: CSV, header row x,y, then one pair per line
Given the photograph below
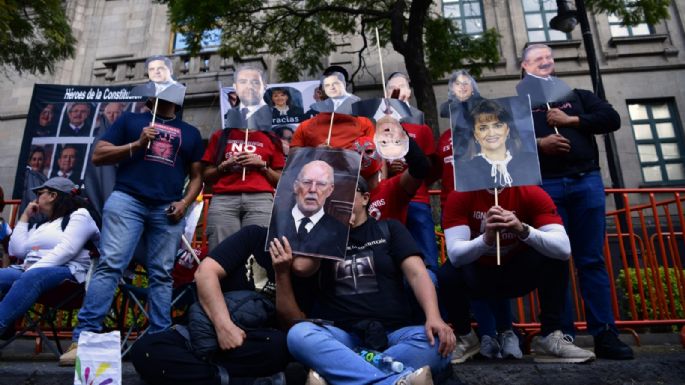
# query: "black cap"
x,y
362,186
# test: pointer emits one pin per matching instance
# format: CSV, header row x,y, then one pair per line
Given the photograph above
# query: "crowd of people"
x,y
388,295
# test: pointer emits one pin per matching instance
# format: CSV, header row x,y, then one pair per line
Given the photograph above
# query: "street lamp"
x,y
565,21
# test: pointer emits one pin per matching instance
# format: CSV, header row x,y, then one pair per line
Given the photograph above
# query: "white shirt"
x,y
251,109
313,220
539,77
159,87
56,247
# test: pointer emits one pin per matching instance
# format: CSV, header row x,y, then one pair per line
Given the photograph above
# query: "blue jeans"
x,y
125,219
580,202
22,289
328,350
421,226
492,315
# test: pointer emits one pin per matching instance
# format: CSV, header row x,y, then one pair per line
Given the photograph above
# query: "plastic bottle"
x,y
381,361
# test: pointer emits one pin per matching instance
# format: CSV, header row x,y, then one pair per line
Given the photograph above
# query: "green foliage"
x,y
34,34
301,33
448,49
632,12
647,278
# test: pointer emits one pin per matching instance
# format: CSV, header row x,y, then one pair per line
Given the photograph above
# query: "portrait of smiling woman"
x,y
493,154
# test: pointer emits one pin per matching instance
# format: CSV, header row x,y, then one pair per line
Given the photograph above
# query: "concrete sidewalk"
x,y
660,360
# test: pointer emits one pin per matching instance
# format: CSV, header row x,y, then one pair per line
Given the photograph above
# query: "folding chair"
x,y
133,316
65,298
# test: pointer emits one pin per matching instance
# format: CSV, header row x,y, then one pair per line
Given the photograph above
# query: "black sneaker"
x,y
608,346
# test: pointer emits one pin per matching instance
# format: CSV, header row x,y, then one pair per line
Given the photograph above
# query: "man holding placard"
x,y
154,154
569,162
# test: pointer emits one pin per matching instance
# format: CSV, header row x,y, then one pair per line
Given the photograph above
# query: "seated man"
x,y
364,298
533,257
165,358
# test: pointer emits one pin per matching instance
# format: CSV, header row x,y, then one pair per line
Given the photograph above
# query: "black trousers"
x,y
519,276
166,359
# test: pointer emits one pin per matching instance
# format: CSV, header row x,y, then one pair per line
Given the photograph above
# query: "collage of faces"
x,y
63,133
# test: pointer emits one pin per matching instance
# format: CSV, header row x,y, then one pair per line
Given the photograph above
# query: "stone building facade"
x,y
643,72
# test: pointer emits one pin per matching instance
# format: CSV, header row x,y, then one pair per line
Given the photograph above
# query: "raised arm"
x,y
107,153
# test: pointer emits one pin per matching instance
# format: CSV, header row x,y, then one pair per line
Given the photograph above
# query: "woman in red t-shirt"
x,y
238,201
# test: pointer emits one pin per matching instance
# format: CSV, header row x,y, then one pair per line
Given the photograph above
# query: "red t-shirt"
x,y
531,204
255,181
444,165
423,136
389,200
346,129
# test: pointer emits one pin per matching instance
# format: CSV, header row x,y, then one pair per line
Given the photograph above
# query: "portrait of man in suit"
x,y
160,70
338,100
306,225
77,120
252,111
67,163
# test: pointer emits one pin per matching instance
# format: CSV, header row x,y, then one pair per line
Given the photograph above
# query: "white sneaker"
x,y
314,378
467,347
510,345
559,348
420,376
489,347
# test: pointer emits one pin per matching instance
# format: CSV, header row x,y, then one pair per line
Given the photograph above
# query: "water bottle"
x,y
382,361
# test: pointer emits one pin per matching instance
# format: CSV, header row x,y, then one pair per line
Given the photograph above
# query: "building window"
x,y
620,30
658,137
538,13
466,14
211,40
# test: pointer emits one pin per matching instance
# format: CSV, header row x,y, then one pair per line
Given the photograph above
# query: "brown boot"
x,y
69,357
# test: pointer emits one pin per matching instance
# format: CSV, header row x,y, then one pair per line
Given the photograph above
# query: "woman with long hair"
x,y
51,252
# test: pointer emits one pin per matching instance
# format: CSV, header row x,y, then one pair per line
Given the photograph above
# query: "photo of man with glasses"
x,y
307,225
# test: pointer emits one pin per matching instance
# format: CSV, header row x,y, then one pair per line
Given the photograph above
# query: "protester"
x,y
345,128
147,202
167,358
50,253
461,89
533,257
285,133
238,201
419,214
364,298
492,315
569,163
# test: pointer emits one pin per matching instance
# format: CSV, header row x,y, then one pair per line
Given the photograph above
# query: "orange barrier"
x,y
643,245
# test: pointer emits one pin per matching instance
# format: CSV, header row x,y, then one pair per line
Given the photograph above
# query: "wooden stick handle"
x,y
499,261
247,130
380,61
330,130
154,114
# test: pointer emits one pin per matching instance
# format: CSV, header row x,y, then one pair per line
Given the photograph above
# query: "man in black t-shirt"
x,y
165,358
364,297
